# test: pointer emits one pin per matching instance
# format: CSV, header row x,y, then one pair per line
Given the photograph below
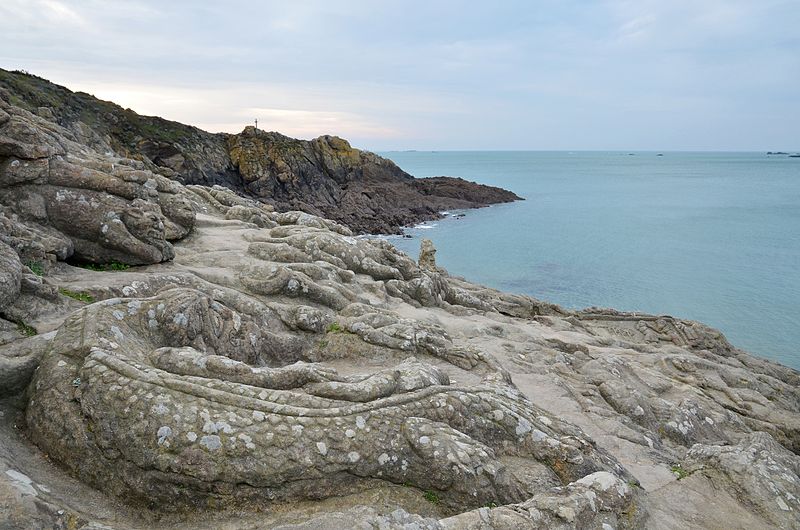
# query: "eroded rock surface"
x,y
760,471
265,369
218,394
60,200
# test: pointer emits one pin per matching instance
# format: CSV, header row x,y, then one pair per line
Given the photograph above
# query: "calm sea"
x,y
713,237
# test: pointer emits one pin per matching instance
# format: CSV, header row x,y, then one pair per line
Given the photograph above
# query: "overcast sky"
x,y
617,74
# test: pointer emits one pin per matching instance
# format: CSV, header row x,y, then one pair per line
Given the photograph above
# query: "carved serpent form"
x,y
171,400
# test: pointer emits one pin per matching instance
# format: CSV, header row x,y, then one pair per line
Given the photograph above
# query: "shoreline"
x,y
543,349
428,230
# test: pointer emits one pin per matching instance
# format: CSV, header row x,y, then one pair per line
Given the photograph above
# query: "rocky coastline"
x,y
325,176
174,354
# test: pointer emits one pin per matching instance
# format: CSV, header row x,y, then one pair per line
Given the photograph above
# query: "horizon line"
x,y
761,151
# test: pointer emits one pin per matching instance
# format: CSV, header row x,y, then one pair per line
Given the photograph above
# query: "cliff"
x,y
179,356
324,176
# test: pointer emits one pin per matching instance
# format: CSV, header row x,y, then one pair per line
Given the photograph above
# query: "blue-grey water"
x,y
713,237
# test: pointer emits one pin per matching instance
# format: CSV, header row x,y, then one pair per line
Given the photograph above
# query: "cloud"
x,y
57,11
636,28
225,108
309,123
544,74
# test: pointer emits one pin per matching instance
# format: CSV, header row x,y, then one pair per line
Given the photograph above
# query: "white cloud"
x,y
428,73
57,11
38,15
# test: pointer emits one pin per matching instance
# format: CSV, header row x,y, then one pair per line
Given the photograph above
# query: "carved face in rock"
x,y
144,221
177,208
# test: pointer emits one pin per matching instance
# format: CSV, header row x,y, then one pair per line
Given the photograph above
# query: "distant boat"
x,y
776,153
660,154
794,156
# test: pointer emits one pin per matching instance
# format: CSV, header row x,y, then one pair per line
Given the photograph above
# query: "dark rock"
x,y
324,176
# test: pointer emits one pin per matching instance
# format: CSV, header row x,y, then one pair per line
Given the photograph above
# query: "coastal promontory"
x,y
324,176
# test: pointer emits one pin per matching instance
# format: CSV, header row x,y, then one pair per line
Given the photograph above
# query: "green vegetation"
x,y
335,328
431,497
36,267
25,329
81,297
124,127
679,471
105,267
490,505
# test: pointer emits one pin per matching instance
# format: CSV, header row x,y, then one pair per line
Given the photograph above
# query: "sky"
x,y
435,75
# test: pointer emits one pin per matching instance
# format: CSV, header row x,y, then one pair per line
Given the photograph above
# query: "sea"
x,y
713,237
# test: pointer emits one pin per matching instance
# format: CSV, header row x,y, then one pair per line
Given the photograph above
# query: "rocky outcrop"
x,y
324,176
278,361
761,472
427,255
256,368
184,153
169,395
171,400
60,200
361,190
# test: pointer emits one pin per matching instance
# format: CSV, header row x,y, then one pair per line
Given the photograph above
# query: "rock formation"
x,y
427,255
324,176
256,369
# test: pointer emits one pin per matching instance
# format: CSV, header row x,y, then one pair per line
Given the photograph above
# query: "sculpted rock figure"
x,y
172,400
90,208
427,255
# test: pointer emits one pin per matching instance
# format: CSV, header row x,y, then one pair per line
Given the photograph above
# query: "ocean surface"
x,y
713,237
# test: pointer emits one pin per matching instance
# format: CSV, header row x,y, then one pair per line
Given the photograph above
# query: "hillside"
x,y
324,176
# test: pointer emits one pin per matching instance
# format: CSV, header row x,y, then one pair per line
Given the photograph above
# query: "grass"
x,y
679,471
25,329
36,267
81,297
431,497
105,267
335,328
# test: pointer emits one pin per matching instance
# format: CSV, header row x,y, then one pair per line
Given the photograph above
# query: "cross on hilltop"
x,y
256,123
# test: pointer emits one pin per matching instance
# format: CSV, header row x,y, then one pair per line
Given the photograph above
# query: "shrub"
x,y
678,470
